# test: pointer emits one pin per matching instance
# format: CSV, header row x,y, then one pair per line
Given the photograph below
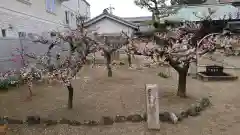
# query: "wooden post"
x,y
152,105
116,55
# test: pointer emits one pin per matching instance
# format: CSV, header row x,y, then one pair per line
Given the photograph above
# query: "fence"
x,y
11,50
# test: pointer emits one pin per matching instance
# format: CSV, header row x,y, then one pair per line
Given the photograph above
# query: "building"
x,y
76,7
144,23
20,17
109,24
198,12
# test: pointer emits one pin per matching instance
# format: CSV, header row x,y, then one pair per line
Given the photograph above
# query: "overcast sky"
x,y
123,8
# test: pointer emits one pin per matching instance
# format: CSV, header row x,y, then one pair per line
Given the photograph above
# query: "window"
x,y
22,34
3,33
50,6
67,17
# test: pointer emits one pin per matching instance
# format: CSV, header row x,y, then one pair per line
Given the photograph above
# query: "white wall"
x,y
84,9
107,26
31,17
71,4
71,16
78,7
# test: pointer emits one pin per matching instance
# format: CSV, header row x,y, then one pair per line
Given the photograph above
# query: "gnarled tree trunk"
x,y
182,76
129,59
70,96
107,56
182,81
94,60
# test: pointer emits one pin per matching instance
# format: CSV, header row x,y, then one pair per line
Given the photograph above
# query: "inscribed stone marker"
x,y
152,106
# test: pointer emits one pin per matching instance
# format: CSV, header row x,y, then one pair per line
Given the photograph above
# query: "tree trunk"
x,y
94,60
108,64
129,60
152,58
70,96
49,61
182,81
158,58
182,75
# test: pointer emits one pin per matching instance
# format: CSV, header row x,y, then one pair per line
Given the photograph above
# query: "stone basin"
x,y
215,73
204,76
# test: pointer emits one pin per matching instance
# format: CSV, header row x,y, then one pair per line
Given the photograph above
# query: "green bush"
x,y
4,84
11,81
163,75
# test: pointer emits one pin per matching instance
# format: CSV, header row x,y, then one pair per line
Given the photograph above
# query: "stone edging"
x,y
169,117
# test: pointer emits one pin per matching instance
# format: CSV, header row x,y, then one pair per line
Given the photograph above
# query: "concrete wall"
x,y
71,16
72,5
107,26
32,17
9,51
79,6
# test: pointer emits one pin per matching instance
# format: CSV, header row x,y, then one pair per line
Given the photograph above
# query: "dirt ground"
x,y
97,95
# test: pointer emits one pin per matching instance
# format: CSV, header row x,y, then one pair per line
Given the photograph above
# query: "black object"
x,y
214,70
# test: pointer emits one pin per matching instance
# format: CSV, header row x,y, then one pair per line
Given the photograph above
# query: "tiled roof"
x,y
138,19
112,17
187,13
149,18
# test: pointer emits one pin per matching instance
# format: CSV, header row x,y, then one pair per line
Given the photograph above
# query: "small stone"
x,y
49,122
106,120
147,65
121,63
198,107
192,111
184,114
174,118
119,118
75,123
90,122
114,63
205,102
135,118
118,63
64,121
180,117
31,120
165,117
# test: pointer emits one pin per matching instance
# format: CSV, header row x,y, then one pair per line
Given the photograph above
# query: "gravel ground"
x,y
96,95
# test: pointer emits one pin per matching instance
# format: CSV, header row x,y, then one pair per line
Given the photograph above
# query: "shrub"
x,y
163,75
11,81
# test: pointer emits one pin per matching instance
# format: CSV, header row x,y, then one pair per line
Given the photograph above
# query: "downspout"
x,y
78,6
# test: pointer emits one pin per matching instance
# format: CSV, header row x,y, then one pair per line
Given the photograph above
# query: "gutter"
x,y
86,2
